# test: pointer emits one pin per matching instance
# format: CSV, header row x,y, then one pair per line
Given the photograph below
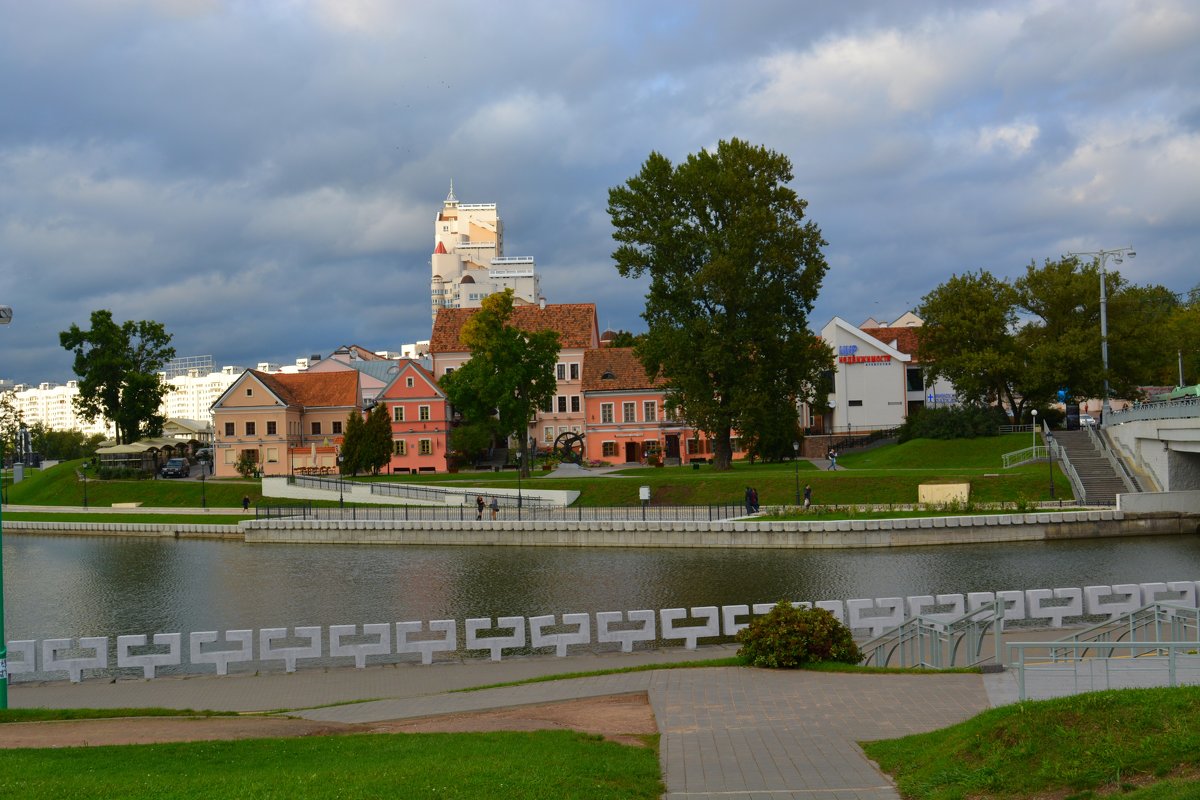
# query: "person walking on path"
x,y
832,458
495,507
807,496
246,502
749,501
754,500
478,506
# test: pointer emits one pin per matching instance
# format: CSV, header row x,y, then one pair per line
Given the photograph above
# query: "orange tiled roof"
x,y
906,339
575,323
314,389
620,362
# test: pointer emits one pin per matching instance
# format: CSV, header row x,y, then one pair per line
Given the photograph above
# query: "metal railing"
x,y
408,491
509,510
1058,452
1100,442
934,643
1153,622
1036,453
1165,409
1016,429
1117,665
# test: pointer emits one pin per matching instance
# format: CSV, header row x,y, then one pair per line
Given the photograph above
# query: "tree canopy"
x,y
734,271
509,377
1019,343
118,369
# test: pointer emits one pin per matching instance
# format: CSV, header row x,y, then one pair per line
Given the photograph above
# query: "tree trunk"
x,y
722,451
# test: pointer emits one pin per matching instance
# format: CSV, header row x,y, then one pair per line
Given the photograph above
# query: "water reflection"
x,y
88,586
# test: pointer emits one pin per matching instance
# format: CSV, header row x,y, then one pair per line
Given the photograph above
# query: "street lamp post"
x,y
203,495
1050,461
1034,412
83,470
1118,255
796,466
5,318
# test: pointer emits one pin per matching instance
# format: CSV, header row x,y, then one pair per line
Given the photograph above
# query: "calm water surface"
x,y
69,586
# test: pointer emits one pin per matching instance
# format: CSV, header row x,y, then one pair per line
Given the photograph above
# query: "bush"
x,y
788,637
959,422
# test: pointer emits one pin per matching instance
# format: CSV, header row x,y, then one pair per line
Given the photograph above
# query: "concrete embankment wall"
x,y
741,534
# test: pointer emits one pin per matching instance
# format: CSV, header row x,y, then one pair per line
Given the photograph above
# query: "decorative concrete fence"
x,y
400,641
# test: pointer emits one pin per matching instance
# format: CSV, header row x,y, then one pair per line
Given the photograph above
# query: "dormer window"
x,y
608,376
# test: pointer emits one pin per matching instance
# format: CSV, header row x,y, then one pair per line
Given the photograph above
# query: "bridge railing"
x,y
1166,409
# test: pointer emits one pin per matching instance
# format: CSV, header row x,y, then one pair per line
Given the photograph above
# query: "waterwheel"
x,y
568,446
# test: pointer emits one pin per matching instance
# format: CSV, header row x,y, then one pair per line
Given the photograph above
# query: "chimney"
x,y
542,303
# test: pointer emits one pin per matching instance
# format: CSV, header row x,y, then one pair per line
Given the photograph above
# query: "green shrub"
x,y
958,422
788,637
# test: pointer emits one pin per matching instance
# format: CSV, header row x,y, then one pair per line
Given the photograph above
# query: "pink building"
x,y
418,410
578,334
287,423
626,419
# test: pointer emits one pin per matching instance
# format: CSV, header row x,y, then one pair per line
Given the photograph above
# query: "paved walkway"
x,y
726,732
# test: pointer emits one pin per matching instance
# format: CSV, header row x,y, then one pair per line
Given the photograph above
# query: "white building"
x,y
878,381
52,405
468,261
190,396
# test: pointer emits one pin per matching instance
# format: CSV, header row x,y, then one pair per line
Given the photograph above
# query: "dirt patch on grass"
x,y
621,718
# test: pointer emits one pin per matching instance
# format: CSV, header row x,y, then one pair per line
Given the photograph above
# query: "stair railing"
x,y
1059,452
1100,440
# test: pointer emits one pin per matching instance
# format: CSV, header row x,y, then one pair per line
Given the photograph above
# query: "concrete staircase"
x,y
1101,483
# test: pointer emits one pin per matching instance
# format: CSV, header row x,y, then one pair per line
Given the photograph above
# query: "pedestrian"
x,y
754,499
245,502
478,506
807,496
495,507
749,501
833,458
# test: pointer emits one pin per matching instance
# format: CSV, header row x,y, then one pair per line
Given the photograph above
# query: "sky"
x,y
262,177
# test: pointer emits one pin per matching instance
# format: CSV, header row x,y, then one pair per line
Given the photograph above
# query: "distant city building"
x,y
468,261
190,395
52,405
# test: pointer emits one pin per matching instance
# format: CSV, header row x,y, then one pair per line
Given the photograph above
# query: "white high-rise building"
x,y
190,396
468,262
52,404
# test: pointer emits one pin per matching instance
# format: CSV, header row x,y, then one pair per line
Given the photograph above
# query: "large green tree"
x,y
118,369
11,421
377,440
509,377
734,270
350,452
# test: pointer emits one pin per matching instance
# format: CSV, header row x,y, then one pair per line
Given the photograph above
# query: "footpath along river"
x,y
69,586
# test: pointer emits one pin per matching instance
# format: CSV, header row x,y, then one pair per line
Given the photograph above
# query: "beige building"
x,y
468,261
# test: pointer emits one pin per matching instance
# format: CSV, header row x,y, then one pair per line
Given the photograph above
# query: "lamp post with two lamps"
x,y
5,318
1118,255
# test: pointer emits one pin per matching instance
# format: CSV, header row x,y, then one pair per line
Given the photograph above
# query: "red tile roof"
x,y
575,323
314,389
906,339
622,365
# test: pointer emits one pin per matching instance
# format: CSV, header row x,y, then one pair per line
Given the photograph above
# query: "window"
x,y
575,403
855,403
229,459
913,377
629,412
400,447
574,372
249,393
337,426
271,428
606,412
548,434
562,404
423,413
650,411
229,429
561,372
608,449
409,381
272,455
426,447
249,428
316,429
548,406
397,413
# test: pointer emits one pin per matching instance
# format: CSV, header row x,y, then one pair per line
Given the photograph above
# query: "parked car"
x,y
1087,419
176,468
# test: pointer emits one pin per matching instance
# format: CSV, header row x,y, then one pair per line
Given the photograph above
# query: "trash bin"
x,y
695,465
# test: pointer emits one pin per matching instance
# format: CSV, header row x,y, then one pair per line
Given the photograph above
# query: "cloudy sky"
x,y
262,177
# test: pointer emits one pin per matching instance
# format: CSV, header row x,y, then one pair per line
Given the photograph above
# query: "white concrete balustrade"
x,y
360,644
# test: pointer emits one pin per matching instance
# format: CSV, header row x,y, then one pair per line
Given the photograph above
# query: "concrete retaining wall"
x,y
739,534
1187,502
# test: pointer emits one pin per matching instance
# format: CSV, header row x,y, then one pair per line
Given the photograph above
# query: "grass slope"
x,y
888,474
1077,747
541,764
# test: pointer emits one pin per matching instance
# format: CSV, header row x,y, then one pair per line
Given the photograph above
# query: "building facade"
x,y
468,261
420,419
286,424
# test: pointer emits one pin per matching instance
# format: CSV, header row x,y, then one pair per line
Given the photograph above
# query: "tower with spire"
x,y
468,261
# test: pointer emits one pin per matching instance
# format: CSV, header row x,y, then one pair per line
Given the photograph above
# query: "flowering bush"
x,y
788,637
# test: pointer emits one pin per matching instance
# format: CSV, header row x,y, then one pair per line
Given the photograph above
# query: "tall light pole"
x,y
1118,255
1034,412
5,318
796,466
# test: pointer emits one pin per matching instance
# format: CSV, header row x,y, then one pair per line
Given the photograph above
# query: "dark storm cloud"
x,y
262,177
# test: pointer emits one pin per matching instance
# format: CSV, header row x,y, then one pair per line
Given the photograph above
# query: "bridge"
x,y
1161,441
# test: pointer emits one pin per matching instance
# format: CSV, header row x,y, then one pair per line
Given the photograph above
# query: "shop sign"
x,y
848,354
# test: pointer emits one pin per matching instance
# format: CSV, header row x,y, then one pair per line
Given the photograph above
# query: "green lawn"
x,y
541,764
57,714
149,519
1076,747
885,475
